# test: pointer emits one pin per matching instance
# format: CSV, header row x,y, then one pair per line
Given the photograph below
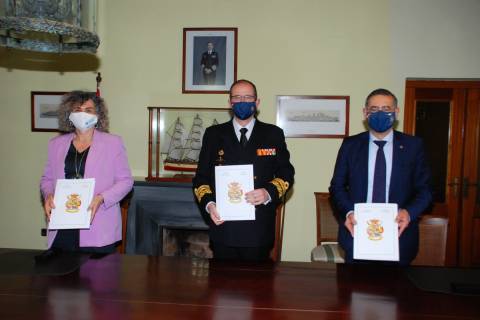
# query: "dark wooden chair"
x,y
432,246
433,241
327,249
276,253
124,204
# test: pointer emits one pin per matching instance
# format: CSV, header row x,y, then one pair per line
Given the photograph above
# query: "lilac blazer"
x,y
107,163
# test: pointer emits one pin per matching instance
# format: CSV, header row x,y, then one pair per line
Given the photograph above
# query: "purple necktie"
x,y
380,174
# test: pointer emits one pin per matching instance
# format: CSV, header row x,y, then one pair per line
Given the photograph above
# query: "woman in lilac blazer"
x,y
87,151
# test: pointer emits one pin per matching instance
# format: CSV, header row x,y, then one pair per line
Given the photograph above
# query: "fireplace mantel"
x,y
158,205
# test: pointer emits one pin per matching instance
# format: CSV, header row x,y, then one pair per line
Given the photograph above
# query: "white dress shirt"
x,y
237,128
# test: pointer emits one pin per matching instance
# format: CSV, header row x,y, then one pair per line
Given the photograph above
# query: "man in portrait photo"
x,y
209,63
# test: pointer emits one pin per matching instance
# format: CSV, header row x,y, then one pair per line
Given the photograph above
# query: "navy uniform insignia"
x,y
266,152
220,155
281,185
201,191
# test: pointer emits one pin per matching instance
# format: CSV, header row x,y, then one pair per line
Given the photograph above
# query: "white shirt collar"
x,y
388,138
249,126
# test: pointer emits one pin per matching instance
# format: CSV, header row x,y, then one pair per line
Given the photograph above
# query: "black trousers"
x,y
68,240
209,78
223,252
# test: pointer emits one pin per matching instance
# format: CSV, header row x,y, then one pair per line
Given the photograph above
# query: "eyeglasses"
x,y
243,98
373,109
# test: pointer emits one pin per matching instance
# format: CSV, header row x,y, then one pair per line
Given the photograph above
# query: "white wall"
x,y
435,39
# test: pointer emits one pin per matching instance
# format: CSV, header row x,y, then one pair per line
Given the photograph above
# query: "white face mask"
x,y
83,121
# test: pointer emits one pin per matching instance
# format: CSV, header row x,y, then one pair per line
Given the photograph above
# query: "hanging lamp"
x,y
47,26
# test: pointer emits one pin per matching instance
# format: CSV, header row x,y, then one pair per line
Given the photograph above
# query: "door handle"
x,y
455,184
466,186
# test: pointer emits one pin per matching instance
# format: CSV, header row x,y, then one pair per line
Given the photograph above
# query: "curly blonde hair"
x,y
76,98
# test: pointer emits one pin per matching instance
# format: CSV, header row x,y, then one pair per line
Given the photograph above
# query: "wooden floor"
x,y
142,287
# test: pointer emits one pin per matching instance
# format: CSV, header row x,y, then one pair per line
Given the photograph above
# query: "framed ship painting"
x,y
44,109
175,139
313,116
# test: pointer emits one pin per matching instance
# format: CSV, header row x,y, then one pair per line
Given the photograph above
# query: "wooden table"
x,y
143,287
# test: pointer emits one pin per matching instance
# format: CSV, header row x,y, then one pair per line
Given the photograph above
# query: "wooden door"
x,y
470,218
446,115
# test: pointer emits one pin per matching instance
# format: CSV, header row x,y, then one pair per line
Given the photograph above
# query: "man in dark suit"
x,y
244,140
381,165
209,64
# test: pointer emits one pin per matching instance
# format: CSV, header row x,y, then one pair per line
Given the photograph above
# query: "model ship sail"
x,y
183,153
194,141
175,150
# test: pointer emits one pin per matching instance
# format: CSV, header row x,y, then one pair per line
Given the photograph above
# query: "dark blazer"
x,y
209,60
409,185
267,151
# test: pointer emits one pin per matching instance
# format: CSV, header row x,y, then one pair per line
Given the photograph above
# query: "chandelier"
x,y
47,25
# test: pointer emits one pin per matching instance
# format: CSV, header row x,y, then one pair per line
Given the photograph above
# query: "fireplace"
x,y
186,243
162,210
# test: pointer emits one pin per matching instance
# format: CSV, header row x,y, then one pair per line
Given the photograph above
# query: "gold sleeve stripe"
x,y
201,191
281,185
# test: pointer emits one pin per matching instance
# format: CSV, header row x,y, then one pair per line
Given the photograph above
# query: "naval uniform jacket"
x,y
209,60
272,170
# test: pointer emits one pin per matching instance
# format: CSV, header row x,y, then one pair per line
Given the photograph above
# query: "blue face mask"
x,y
381,121
244,110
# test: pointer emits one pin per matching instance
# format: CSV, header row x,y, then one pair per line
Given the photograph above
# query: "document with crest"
x,y
376,232
231,184
72,198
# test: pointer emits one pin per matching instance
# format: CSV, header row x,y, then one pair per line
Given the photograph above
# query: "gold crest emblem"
x,y
375,229
73,203
235,192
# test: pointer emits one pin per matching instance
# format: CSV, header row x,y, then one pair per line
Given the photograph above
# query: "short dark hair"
x,y
382,92
245,82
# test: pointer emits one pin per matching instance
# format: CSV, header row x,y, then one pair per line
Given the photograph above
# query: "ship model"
x,y
184,149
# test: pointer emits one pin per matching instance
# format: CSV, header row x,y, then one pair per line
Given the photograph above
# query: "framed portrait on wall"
x,y
209,59
44,108
313,116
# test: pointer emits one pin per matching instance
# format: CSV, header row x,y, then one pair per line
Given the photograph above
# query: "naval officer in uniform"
x,y
244,140
209,63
